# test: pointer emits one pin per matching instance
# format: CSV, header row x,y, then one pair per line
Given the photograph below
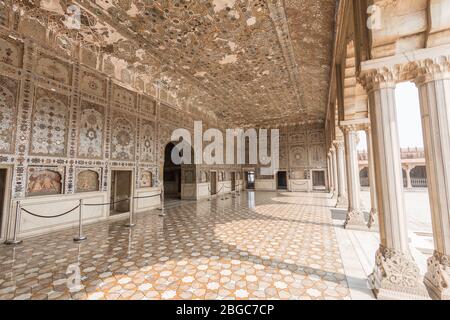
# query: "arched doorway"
x,y
172,174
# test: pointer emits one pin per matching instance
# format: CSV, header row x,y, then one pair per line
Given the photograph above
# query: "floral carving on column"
x,y
396,271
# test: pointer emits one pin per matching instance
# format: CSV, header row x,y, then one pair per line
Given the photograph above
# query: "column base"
x,y
437,278
373,219
355,220
342,202
396,277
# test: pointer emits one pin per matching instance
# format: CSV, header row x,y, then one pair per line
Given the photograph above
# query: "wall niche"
x,y
44,181
87,181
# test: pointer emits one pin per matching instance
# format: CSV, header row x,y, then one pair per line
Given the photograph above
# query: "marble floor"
x,y
263,245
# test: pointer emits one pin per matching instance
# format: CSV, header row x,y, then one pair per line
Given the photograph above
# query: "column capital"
x,y
432,69
354,125
375,79
338,144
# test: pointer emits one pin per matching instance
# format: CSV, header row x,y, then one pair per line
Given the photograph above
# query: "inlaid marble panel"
x,y
91,131
93,84
52,68
147,142
298,156
123,138
8,111
11,53
50,121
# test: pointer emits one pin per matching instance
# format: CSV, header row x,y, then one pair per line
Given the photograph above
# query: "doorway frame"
x,y
7,201
287,180
210,182
319,188
132,191
246,171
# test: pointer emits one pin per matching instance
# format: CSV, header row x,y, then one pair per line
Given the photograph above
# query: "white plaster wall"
x,y
265,185
53,205
203,190
189,191
300,185
145,204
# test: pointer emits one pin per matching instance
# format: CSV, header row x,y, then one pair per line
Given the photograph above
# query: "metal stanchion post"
x,y
14,240
80,236
130,223
162,214
209,192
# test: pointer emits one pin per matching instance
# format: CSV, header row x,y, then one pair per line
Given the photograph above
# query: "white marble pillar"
x,y
355,216
434,92
342,201
330,173
335,175
408,178
396,274
373,215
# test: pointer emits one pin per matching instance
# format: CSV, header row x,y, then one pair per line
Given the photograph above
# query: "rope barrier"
x,y
105,204
147,197
49,217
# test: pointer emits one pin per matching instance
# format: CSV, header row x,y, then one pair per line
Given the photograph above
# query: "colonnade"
x,y
396,274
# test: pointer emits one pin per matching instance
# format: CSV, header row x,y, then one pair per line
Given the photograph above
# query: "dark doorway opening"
x,y
213,183
250,180
172,174
319,180
3,200
121,184
233,181
282,180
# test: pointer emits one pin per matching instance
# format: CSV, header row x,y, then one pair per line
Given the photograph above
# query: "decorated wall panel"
x,y
50,124
146,179
11,53
148,142
92,84
124,98
123,138
87,180
8,110
54,69
91,131
45,181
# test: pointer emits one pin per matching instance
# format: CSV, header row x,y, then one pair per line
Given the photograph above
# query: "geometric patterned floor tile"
x,y
263,245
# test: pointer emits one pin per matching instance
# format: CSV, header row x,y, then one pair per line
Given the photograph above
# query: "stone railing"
x,y
406,153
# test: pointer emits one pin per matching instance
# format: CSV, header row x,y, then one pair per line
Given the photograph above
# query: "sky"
x,y
408,117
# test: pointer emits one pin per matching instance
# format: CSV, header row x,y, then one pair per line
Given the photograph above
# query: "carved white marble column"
x,y
335,175
408,178
434,91
340,165
330,173
373,215
355,216
396,275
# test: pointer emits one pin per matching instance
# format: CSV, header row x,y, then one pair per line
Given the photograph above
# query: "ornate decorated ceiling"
x,y
247,62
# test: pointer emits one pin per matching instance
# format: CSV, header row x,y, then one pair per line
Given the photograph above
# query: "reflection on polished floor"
x,y
257,246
